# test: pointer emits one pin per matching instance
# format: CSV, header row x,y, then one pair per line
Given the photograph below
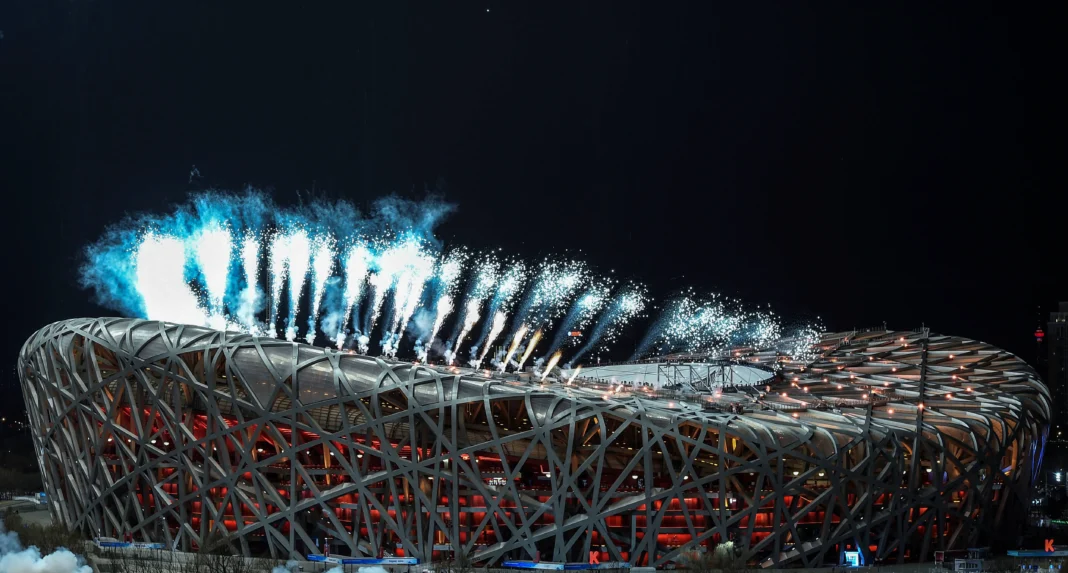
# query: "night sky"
x,y
898,163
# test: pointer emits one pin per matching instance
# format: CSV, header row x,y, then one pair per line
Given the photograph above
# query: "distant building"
x,y
1057,343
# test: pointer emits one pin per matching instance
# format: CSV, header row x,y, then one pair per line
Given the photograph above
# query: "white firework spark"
x,y
764,329
590,304
530,349
214,246
300,247
486,279
584,309
553,360
299,260
323,254
160,280
277,265
416,267
471,316
801,342
356,266
443,310
711,325
627,305
250,263
511,284
487,275
557,282
449,273
516,339
499,319
389,264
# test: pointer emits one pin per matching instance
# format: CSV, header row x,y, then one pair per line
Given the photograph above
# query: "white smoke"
x,y
373,569
15,559
436,345
390,344
420,324
538,362
498,358
290,567
419,329
331,323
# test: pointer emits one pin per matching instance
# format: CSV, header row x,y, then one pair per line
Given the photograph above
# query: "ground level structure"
x,y
894,444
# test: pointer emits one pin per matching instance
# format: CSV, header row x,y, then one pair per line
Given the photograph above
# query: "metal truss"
x,y
896,444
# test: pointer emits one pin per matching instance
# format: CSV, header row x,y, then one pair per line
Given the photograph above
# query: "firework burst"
x,y
181,268
449,273
323,255
213,245
356,267
486,277
250,295
299,260
628,304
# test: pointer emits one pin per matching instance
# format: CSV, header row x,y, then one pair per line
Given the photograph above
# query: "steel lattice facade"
x,y
898,444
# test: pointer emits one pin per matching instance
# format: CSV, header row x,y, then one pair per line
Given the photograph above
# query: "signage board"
x,y
363,560
544,565
105,543
595,566
1032,553
146,545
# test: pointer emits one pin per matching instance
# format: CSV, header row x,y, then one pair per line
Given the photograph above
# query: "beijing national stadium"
x,y
895,444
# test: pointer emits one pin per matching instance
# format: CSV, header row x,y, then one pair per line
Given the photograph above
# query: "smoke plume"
x,y
16,559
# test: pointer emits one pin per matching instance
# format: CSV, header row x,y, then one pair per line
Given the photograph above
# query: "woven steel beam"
x,y
898,444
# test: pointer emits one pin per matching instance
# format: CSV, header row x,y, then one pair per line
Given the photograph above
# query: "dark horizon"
x,y
864,164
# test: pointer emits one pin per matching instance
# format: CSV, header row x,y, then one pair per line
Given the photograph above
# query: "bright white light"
x,y
356,266
250,263
515,344
389,263
495,331
416,268
213,249
449,273
322,267
552,364
160,262
530,349
299,259
277,265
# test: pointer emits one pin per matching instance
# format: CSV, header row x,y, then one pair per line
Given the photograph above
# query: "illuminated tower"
x,y
1057,346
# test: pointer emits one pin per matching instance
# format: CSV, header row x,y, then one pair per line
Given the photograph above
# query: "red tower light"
x,y
1039,335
